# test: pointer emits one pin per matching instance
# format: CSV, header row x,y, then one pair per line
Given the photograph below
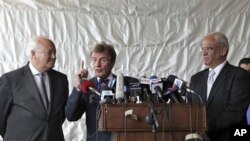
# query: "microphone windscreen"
x,y
120,87
86,84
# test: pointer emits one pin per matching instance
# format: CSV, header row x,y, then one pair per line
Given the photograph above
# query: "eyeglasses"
x,y
47,52
209,48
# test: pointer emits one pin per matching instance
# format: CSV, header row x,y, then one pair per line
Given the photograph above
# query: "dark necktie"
x,y
43,91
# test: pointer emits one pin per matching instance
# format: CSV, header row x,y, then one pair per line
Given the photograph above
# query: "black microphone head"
x,y
168,82
144,93
158,91
170,91
135,89
171,78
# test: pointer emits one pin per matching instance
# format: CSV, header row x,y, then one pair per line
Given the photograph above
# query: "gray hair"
x,y
33,44
220,38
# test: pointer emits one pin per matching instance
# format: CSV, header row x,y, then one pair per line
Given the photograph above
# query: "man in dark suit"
x,y
229,93
32,109
103,59
245,64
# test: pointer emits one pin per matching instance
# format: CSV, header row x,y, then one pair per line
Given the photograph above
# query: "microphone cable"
x,y
188,97
198,97
166,120
163,121
192,135
125,122
169,120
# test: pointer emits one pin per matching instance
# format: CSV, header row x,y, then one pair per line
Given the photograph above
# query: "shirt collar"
x,y
110,77
219,67
34,71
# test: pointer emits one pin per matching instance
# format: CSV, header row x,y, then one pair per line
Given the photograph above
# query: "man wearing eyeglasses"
x,y
224,88
33,97
103,57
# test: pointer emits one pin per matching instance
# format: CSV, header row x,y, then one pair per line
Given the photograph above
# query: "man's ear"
x,y
224,51
32,53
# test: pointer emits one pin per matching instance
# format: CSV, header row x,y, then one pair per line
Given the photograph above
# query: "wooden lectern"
x,y
175,121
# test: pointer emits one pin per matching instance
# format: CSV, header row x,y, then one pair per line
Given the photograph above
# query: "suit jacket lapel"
x,y
113,84
204,83
30,84
218,82
52,91
95,81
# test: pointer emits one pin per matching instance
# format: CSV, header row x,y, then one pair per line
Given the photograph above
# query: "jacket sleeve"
x,y
5,102
75,106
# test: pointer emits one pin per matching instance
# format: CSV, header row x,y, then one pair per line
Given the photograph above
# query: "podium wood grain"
x,y
175,121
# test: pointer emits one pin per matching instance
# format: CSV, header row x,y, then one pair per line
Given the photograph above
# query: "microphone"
x,y
182,86
155,84
119,96
171,94
150,83
158,91
135,89
149,120
144,80
107,95
154,81
135,92
179,83
88,86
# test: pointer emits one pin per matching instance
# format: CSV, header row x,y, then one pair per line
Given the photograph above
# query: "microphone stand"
x,y
153,121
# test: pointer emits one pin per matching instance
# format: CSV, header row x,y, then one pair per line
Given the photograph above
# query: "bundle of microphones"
x,y
115,94
169,90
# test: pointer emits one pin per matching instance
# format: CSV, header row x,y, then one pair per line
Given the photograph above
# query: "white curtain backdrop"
x,y
159,37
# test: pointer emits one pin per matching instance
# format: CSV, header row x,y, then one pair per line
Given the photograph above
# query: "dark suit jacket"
x,y
22,114
228,100
79,102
